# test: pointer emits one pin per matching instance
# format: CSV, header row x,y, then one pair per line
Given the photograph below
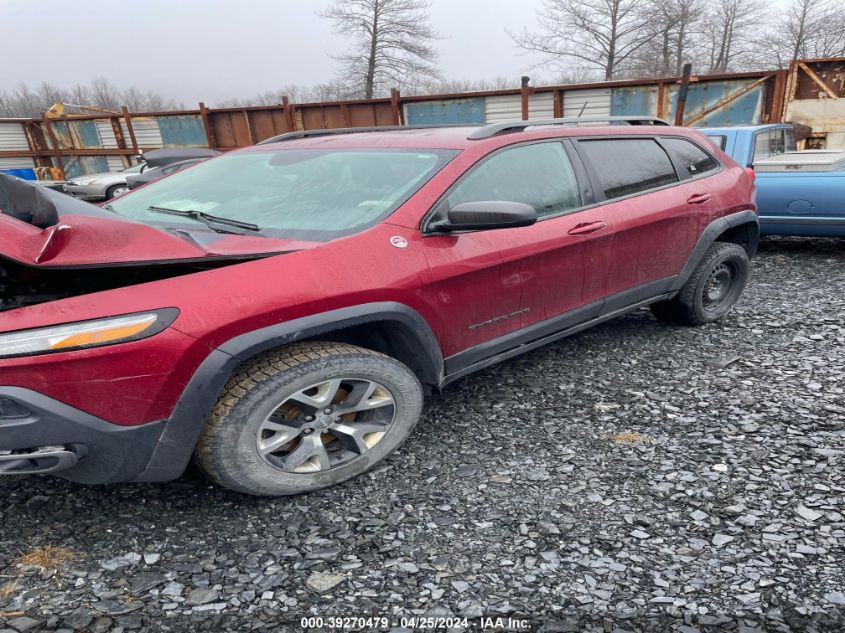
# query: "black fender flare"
x,y
708,237
183,428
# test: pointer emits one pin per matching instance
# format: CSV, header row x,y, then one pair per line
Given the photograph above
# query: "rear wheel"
x,y
714,287
307,417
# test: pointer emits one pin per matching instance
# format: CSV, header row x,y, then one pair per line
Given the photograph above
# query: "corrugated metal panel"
x,y
587,102
115,163
705,95
634,100
182,131
147,132
12,137
500,108
107,138
82,165
17,163
443,112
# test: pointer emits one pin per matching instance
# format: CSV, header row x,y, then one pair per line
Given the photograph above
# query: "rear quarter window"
x,y
694,159
627,166
719,140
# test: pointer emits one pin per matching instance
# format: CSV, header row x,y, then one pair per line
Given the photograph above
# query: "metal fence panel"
x,y
471,111
183,131
499,108
594,102
633,100
706,95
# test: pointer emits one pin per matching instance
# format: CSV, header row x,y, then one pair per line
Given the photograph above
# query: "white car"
x,y
103,186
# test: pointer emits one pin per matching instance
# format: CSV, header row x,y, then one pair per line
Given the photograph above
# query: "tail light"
x,y
751,173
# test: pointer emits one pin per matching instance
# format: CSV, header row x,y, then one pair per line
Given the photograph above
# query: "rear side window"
x,y
719,140
627,166
691,156
539,175
773,142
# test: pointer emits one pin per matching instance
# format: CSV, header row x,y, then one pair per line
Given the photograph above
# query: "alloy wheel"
x,y
326,425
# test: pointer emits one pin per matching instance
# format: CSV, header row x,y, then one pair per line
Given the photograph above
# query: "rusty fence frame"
x,y
229,128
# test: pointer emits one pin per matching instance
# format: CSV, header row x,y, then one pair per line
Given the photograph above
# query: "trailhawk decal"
x,y
498,318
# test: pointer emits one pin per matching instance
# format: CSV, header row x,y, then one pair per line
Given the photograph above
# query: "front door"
x,y
505,287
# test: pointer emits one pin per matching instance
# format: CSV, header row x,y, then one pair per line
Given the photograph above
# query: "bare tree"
x,y
604,34
675,23
805,29
104,94
730,26
26,102
392,43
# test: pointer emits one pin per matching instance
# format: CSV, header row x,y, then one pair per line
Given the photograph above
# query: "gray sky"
x,y
209,50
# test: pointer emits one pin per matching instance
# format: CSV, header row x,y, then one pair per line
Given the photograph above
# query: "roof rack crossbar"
x,y
290,136
518,126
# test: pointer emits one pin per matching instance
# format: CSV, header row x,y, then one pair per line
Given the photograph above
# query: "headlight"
x,y
62,338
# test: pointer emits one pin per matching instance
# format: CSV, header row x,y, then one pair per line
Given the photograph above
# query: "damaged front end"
x,y
54,247
22,286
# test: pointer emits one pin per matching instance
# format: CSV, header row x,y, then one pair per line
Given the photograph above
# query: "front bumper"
x,y
48,436
89,192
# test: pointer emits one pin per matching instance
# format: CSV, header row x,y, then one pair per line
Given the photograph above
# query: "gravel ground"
x,y
636,477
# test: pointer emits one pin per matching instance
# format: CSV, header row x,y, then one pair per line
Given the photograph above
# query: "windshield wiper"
x,y
207,218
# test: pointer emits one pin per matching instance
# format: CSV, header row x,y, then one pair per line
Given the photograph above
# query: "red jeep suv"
x,y
278,313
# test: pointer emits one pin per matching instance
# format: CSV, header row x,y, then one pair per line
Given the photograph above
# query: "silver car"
x,y
103,186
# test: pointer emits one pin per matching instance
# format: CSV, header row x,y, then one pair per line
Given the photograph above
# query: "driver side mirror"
x,y
492,214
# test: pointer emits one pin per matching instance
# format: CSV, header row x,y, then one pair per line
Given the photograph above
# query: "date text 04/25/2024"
x,y
370,623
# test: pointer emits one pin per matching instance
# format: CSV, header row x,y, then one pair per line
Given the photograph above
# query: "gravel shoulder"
x,y
635,477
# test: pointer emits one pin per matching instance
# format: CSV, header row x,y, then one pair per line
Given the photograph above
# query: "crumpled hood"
x,y
86,235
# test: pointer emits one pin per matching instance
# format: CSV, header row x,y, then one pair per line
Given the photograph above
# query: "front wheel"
x,y
714,287
116,190
307,417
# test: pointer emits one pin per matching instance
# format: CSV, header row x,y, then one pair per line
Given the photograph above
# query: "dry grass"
x,y
47,557
627,437
8,589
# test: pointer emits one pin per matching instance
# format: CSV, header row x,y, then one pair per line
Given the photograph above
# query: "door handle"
x,y
699,198
587,227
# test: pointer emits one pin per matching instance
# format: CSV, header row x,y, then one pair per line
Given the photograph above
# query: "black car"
x,y
163,162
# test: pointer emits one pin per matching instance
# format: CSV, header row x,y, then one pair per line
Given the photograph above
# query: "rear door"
x,y
656,218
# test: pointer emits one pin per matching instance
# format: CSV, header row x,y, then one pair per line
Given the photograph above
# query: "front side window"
x,y
627,166
308,194
693,158
773,142
539,175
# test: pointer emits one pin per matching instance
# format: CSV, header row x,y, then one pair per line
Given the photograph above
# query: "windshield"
x,y
134,169
307,194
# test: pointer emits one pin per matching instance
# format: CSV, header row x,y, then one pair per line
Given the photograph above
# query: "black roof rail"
x,y
290,136
518,126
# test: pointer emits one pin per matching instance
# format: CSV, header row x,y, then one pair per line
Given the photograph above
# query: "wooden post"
x,y
57,150
557,103
526,91
779,88
661,99
131,130
249,130
119,139
206,124
394,106
289,114
682,95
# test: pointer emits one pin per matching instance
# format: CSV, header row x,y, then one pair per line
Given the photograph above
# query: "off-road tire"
x,y
227,451
690,306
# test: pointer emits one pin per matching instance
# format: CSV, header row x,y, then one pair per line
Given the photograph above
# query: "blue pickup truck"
x,y
798,193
